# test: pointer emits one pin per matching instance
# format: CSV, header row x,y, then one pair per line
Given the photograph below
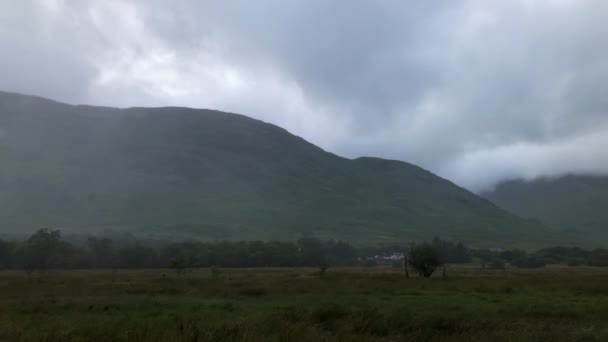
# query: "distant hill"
x,y
187,173
575,205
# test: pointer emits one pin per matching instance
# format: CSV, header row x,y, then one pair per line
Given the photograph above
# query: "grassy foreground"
x,y
554,304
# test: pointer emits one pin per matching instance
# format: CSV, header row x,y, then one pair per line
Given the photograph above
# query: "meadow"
x,y
555,303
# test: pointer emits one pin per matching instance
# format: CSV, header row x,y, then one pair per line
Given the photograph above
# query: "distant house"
x,y
386,260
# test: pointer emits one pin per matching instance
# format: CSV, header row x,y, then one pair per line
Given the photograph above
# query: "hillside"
x,y
186,173
575,205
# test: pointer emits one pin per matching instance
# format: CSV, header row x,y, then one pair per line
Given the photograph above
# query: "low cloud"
x,y
531,160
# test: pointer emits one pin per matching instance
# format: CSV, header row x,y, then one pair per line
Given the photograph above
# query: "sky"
x,y
476,91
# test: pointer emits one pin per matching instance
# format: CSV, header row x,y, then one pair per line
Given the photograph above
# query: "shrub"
x,y
424,258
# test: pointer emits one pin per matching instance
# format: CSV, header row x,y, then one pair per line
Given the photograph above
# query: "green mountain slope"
x,y
179,172
576,205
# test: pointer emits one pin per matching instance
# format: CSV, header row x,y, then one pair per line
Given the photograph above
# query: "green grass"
x,y
557,304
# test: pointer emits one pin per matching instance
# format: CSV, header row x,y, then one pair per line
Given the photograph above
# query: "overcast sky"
x,y
475,91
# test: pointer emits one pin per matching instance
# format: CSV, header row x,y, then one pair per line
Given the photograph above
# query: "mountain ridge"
x,y
571,204
177,172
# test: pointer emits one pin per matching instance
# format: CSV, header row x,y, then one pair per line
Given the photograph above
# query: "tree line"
x,y
571,256
47,249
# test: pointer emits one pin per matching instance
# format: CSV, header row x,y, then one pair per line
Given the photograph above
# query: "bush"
x,y
424,258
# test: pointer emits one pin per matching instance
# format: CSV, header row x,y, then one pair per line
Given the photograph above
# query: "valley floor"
x,y
349,304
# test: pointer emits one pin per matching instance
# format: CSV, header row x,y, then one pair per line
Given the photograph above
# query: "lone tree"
x,y
424,258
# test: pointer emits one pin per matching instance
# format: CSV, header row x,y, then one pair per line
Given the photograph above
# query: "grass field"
x,y
553,304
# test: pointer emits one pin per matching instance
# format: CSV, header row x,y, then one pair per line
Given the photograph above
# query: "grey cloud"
x,y
476,91
35,62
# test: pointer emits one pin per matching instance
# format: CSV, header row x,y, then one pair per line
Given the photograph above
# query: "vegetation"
x,y
347,304
179,173
425,259
572,256
45,250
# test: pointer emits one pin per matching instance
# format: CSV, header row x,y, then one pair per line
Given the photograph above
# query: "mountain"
x,y
187,173
575,205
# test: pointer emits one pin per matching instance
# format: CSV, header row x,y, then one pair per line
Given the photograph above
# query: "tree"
x,y
101,251
340,253
45,249
137,256
598,257
451,252
6,253
311,252
424,258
